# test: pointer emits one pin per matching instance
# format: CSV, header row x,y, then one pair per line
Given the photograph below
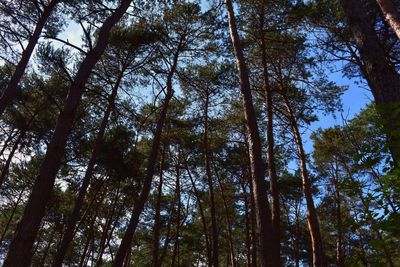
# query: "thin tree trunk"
x,y
273,178
214,229
6,166
12,88
74,216
312,218
157,216
228,220
380,73
175,253
201,210
247,223
12,215
389,11
7,141
46,251
339,243
151,164
263,211
20,250
107,225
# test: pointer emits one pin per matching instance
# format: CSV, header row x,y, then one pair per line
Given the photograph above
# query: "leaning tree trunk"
x,y
20,250
126,242
389,11
12,88
201,211
380,73
263,211
75,214
312,218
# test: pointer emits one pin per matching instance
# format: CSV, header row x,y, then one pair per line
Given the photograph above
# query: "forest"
x,y
200,133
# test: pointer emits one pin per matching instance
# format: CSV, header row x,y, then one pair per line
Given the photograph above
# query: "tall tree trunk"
x,y
6,166
20,251
201,210
3,234
273,178
246,221
263,211
12,88
74,216
380,73
214,229
126,242
10,136
339,243
106,228
175,253
228,220
312,218
389,11
157,215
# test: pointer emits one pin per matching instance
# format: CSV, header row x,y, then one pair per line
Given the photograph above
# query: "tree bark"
x,y
273,178
263,211
389,11
20,251
74,216
176,252
214,229
201,210
12,88
380,73
157,216
312,218
6,166
151,164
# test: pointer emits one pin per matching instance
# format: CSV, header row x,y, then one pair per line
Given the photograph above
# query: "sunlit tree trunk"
x,y
391,14
263,211
312,217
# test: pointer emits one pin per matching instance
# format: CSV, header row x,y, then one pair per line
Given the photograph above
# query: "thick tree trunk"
x,y
389,11
214,229
380,73
312,218
263,211
75,214
126,242
12,88
20,251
